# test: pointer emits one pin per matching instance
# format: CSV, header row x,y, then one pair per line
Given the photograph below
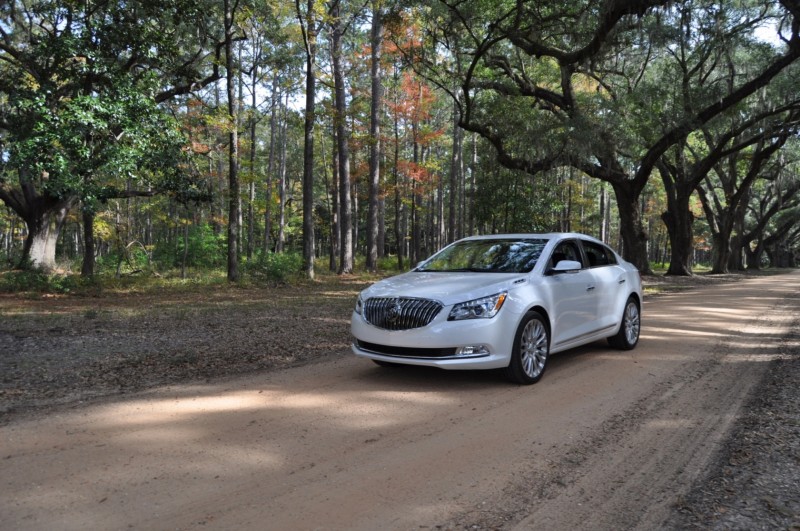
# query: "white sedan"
x,y
503,301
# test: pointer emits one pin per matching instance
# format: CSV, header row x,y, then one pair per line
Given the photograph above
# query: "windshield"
x,y
487,256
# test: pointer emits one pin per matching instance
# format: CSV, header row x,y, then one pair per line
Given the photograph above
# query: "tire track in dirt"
x,y
630,472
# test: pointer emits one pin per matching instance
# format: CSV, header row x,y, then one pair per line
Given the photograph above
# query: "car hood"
x,y
447,288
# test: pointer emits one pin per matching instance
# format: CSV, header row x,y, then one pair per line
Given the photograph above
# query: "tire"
x,y
530,352
628,335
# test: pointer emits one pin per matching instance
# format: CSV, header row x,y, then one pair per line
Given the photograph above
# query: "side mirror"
x,y
567,266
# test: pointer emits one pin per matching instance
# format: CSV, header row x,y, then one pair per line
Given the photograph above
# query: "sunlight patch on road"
x,y
695,312
659,333
637,356
372,409
759,357
287,400
672,424
367,410
168,411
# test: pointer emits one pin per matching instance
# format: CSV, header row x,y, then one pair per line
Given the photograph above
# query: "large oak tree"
x,y
578,84
81,85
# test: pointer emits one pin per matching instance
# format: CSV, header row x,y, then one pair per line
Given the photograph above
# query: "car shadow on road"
x,y
418,378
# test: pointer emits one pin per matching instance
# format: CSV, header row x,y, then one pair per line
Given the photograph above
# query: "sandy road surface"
x,y
607,440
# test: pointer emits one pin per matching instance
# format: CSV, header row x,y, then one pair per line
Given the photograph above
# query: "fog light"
x,y
472,350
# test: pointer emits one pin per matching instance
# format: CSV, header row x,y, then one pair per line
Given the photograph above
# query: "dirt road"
x,y
607,440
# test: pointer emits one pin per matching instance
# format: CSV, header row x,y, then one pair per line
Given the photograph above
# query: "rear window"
x,y
598,255
487,256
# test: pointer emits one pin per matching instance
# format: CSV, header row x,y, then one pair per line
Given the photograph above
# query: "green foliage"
x,y
275,267
205,250
125,260
82,92
513,201
33,281
84,113
107,262
171,281
388,264
93,146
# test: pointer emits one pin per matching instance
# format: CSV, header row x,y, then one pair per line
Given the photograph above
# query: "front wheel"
x,y
531,348
628,335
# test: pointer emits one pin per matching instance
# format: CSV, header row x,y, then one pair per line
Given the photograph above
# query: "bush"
x,y
389,264
134,258
275,267
38,282
205,250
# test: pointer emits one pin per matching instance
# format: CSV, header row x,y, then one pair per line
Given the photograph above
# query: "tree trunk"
x,y
736,259
398,203
720,251
456,175
738,256
376,38
310,41
233,151
271,163
185,255
279,245
678,218
218,202
251,216
44,218
336,234
473,172
727,249
417,202
413,251
634,237
87,268
441,226
239,125
354,211
332,197
381,227
345,207
753,257
681,236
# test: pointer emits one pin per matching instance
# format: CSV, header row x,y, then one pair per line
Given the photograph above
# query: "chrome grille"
x,y
400,313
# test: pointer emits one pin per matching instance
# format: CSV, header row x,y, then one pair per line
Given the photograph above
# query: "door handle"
x,y
590,288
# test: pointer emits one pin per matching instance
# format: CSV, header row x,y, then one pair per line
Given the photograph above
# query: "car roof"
x,y
543,236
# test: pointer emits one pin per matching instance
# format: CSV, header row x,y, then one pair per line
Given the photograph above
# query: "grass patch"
x,y
37,282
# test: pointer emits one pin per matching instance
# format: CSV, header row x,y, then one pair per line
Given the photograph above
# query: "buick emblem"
x,y
394,312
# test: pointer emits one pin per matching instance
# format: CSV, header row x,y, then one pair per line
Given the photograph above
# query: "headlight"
x,y
483,308
359,304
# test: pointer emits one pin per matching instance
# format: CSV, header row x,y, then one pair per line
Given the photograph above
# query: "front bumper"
x,y
439,343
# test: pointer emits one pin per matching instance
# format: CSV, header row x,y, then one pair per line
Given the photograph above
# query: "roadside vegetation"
x,y
262,138
267,271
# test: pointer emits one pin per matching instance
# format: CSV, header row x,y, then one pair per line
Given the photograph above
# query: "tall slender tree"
x,y
338,28
234,200
376,102
308,26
